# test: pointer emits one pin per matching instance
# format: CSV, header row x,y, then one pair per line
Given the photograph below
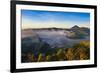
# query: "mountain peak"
x,y
75,27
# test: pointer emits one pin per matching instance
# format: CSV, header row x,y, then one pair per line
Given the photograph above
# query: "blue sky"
x,y
46,19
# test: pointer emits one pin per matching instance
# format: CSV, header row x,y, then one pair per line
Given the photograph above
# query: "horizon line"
x,y
57,27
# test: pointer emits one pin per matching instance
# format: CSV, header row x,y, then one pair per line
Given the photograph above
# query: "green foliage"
x,y
61,54
30,57
80,51
40,57
48,58
70,54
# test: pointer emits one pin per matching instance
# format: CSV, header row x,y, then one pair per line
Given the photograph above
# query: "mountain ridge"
x,y
55,28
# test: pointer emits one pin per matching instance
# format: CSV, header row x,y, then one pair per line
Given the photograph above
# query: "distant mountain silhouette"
x,y
75,27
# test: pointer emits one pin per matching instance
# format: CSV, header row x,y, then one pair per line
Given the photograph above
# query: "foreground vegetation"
x,y
79,51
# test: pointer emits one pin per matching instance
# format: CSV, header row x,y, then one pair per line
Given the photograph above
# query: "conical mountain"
x,y
75,27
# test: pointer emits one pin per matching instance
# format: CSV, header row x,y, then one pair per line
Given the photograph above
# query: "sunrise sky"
x,y
47,19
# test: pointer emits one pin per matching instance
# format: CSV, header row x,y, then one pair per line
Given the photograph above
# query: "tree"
x,y
41,57
60,54
30,57
82,50
70,54
48,58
